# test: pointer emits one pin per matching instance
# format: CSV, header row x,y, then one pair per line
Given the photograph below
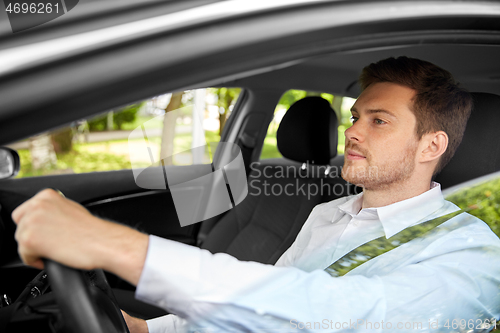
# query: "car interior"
x,y
263,226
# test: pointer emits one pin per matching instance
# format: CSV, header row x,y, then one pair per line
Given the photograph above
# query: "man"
x,y
407,123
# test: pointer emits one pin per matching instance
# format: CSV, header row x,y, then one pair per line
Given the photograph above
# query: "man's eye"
x,y
353,119
379,122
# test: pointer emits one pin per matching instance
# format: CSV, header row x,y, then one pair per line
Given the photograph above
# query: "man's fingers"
x,y
25,243
32,260
29,217
19,212
37,201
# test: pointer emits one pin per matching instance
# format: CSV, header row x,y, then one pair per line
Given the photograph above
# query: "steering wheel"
x,y
87,305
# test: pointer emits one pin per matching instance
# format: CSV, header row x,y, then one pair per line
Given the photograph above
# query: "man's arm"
x,y
222,292
51,226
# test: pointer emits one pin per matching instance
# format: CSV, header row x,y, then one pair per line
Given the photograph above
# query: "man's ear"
x,y
433,146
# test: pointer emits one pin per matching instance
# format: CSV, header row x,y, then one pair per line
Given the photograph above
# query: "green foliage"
x,y
98,123
120,117
147,121
225,96
27,168
95,156
341,143
482,201
290,97
328,97
84,161
270,149
126,115
76,161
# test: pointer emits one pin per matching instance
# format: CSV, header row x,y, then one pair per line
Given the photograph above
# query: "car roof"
x,y
313,45
475,67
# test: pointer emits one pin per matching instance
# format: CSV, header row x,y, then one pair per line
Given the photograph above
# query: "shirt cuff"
x,y
167,324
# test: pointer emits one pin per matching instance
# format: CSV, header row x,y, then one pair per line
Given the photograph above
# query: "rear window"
x,y
342,106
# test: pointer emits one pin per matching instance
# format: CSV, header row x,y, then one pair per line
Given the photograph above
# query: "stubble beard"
x,y
382,176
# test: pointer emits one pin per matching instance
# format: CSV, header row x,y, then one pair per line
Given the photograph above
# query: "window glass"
x,y
341,105
481,199
102,143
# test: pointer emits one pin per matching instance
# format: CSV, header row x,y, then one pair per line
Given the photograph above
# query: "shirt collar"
x,y
352,206
399,215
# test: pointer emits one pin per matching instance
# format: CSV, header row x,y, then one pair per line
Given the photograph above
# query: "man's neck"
x,y
394,193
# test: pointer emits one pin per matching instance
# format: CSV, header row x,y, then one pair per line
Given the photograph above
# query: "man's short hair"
x,y
439,104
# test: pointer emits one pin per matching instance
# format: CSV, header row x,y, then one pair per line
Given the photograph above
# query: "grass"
x,y
270,149
106,156
77,161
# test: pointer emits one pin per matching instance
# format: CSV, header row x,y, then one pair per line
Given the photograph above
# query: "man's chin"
x,y
358,173
349,176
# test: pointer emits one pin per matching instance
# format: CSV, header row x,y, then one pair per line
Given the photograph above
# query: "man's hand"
x,y
51,226
135,325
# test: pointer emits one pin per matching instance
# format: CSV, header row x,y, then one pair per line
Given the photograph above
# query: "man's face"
x,y
381,144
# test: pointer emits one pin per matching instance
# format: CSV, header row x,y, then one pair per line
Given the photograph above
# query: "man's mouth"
x,y
354,155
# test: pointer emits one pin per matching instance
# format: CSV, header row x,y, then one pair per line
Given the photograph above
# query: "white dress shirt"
x,y
434,283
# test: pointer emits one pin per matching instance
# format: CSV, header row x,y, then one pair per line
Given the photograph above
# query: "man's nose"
x,y
355,132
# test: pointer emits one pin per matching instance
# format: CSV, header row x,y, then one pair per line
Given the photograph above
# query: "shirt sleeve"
x,y
220,292
167,324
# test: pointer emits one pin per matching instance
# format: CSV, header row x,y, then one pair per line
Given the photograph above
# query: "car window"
x,y
104,142
481,198
341,105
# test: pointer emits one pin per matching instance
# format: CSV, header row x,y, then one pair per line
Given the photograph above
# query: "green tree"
x,y
225,98
290,97
127,114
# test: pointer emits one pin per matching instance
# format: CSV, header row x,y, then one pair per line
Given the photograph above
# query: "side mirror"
x,y
9,163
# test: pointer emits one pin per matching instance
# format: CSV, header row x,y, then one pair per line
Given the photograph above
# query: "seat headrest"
x,y
479,152
308,132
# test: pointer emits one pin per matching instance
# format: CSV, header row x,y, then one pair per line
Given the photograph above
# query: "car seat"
x,y
281,196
